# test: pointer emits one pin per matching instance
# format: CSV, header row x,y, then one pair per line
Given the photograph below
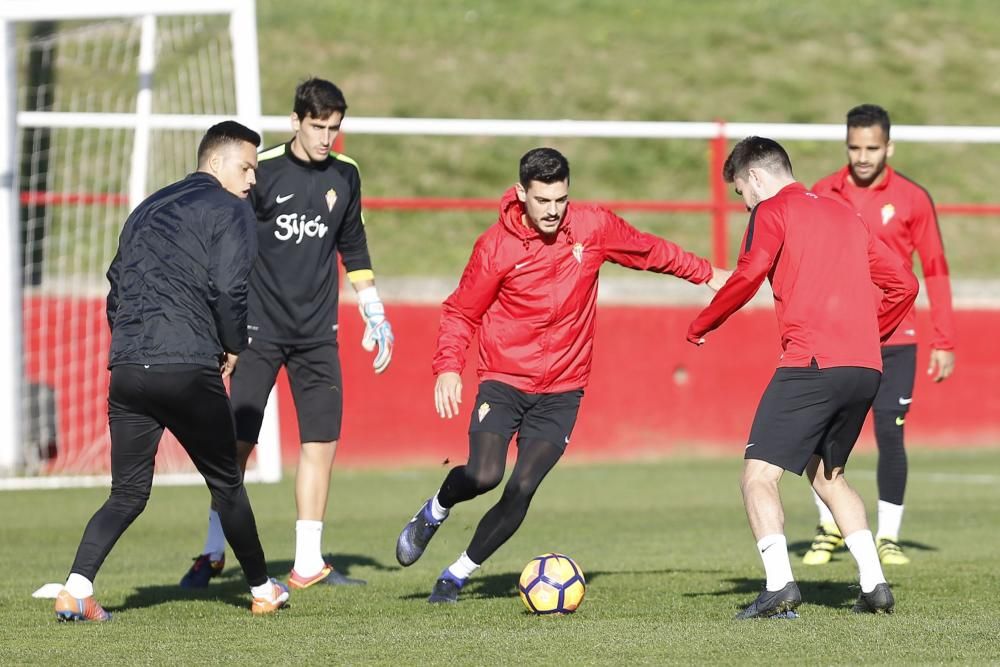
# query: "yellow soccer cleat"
x,y
890,553
828,539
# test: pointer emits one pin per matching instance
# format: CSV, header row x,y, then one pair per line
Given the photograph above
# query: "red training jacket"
x,y
534,299
902,214
821,259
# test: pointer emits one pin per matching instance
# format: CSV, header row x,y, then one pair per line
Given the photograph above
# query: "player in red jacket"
x,y
530,289
903,216
822,261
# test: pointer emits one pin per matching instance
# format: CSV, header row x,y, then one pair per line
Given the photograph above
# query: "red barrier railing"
x,y
718,205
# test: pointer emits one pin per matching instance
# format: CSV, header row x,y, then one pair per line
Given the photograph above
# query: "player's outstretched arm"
x,y
898,284
448,394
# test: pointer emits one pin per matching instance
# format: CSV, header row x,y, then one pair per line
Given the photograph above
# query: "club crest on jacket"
x,y
887,212
331,198
578,252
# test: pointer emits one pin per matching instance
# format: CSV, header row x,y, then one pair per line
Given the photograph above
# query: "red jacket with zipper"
x,y
534,298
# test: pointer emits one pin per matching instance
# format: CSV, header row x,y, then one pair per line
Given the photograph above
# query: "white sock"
x,y
825,515
265,590
463,567
773,551
215,541
437,511
308,552
890,517
862,546
79,586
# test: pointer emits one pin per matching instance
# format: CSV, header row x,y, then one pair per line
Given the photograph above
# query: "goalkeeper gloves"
x,y
378,333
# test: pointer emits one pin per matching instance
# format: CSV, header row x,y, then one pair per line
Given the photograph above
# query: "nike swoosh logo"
x,y
518,266
900,421
749,446
281,199
905,401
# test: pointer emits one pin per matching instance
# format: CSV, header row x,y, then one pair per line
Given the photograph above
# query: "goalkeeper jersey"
x,y
902,214
306,213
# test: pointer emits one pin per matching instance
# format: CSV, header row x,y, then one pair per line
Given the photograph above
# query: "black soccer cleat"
x,y
774,603
204,568
416,535
879,601
445,591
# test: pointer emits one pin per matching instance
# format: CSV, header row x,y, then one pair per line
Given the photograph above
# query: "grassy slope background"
x,y
760,60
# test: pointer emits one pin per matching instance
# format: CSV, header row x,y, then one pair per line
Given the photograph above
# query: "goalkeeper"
x,y
530,289
308,205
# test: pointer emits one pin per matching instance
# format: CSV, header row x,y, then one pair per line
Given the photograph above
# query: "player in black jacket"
x,y
177,309
308,205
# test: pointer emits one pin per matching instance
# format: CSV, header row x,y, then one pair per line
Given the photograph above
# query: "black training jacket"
x,y
307,213
179,279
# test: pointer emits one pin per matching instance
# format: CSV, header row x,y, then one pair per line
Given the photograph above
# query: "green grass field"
x,y
664,545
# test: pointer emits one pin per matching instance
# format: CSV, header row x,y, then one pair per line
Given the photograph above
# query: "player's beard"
x,y
873,175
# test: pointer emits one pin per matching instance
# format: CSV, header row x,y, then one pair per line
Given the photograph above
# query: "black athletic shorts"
x,y
315,378
899,370
807,411
502,409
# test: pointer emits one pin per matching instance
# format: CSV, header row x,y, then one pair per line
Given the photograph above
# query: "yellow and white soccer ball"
x,y
552,584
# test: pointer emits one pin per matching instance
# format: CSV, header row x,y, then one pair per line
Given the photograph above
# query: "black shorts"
x,y
502,409
314,375
807,411
899,370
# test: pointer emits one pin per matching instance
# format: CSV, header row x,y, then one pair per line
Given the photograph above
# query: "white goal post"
x,y
126,44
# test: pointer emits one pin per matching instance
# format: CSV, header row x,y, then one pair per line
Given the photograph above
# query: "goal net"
x,y
111,102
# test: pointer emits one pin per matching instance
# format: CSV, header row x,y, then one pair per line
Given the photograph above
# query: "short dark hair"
x,y
546,165
226,132
756,152
869,115
318,98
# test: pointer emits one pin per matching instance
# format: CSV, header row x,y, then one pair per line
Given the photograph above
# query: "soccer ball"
x,y
552,584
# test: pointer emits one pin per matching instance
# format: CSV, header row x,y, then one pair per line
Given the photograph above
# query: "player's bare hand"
x,y
718,279
942,365
227,363
448,394
695,339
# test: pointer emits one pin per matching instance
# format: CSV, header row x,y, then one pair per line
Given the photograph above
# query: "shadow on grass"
x,y
233,592
230,587
504,584
833,594
342,563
